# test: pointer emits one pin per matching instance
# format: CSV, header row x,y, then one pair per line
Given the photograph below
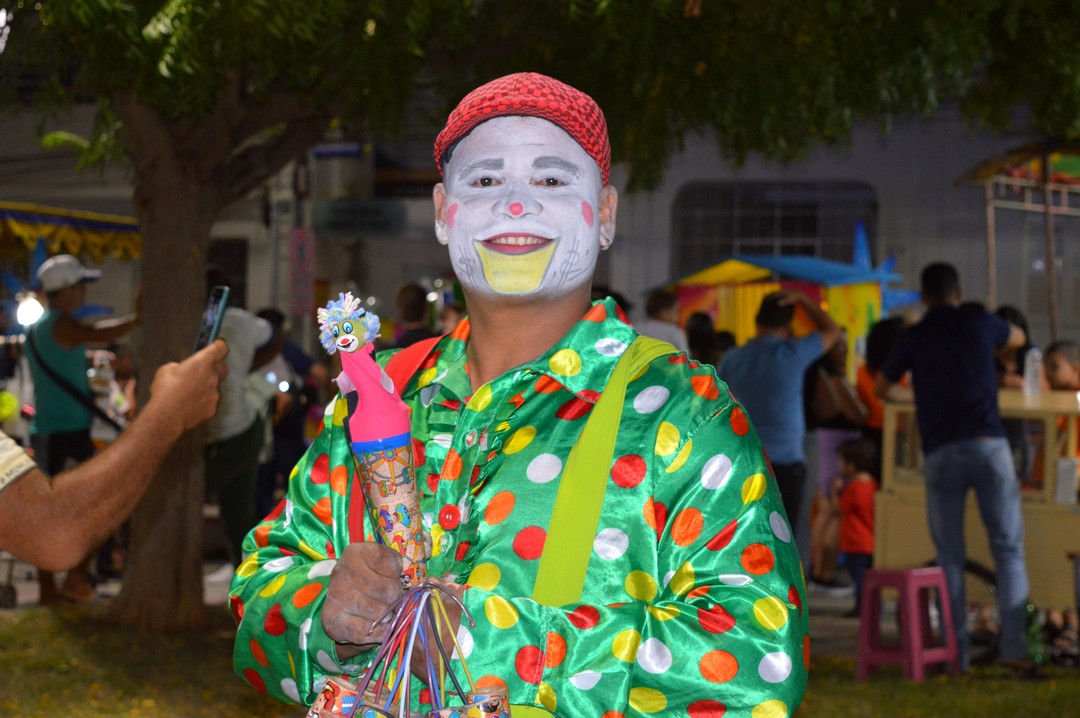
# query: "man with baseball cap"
x,y
56,349
656,576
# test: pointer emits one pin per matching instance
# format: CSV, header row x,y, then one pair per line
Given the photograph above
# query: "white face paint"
x,y
522,210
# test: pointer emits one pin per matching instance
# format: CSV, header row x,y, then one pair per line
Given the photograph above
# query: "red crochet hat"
x,y
533,95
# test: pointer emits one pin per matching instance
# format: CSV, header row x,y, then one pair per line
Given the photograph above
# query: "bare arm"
x,y
70,333
825,324
891,391
53,524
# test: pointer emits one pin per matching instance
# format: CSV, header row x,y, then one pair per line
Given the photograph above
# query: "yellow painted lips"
x,y
515,268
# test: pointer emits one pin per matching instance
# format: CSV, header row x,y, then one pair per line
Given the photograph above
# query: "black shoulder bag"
x,y
116,422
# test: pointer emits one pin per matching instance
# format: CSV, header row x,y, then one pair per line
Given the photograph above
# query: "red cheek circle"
x,y
587,214
450,214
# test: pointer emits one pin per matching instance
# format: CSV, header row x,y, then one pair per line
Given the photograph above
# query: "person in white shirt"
x,y
662,309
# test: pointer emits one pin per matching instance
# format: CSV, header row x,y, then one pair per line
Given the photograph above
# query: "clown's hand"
x,y
364,585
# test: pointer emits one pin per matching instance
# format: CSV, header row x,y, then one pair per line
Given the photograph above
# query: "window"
x,y
713,220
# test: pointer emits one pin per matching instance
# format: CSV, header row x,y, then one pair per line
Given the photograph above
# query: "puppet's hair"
x,y
346,306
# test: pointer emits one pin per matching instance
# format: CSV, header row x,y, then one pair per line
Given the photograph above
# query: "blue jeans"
x,y
985,465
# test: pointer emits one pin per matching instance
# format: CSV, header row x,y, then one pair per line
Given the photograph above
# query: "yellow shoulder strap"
x,y
560,575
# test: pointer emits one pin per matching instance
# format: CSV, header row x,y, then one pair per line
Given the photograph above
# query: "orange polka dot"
x,y
806,651
339,480
321,509
556,650
452,466
686,527
547,385
705,385
499,507
489,681
718,666
649,513
613,714
307,594
739,423
698,592
262,535
259,654
757,558
598,313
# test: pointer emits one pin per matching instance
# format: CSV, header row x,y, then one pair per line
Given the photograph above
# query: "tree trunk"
x,y
162,588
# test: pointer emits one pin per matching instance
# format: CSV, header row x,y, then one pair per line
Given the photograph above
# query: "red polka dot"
x,y
320,469
806,651
529,664
323,511
276,511
706,709
757,558
432,483
462,549
274,624
449,517
613,714
529,543
679,358
794,598
704,385
236,606
574,409
722,538
656,516
584,617
418,452
628,471
716,619
739,423
256,681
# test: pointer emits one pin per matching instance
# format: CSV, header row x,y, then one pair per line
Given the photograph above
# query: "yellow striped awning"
x,y
67,231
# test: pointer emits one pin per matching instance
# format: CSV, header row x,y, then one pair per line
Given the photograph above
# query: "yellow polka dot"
x,y
565,362
273,587
770,709
436,533
753,488
771,613
520,439
426,377
667,439
641,585
683,580
625,645
647,700
546,695
485,576
664,613
248,566
341,410
500,613
480,399
307,550
295,471
502,426
684,453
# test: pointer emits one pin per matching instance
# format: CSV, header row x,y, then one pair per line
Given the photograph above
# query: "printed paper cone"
x,y
389,482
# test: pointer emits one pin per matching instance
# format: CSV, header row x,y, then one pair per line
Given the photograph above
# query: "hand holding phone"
x,y
211,318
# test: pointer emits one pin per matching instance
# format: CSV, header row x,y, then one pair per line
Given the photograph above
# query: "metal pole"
x,y
991,247
1051,252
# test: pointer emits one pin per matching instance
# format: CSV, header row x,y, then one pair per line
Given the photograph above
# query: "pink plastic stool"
x,y
917,647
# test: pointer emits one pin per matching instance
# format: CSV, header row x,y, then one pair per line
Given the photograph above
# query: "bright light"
x,y
29,310
371,301
283,387
432,296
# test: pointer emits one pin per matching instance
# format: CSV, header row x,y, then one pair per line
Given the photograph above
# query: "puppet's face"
x,y
347,335
522,210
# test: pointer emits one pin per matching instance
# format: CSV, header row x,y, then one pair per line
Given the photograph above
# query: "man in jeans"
x,y
950,355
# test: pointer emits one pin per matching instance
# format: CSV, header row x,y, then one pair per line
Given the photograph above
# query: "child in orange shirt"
x,y
1062,364
854,494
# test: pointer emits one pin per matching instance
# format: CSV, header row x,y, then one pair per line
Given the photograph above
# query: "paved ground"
x,y
830,633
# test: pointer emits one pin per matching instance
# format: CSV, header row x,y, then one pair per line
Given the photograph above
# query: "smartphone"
x,y
211,318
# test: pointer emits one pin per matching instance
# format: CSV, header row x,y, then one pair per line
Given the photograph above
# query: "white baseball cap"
x,y
64,271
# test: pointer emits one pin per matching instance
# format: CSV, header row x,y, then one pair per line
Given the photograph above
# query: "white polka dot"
x,y
288,512
610,347
288,687
667,578
610,544
544,468
442,440
716,472
465,643
277,565
775,667
387,382
650,399
305,631
654,656
321,568
585,680
735,579
780,527
327,662
427,394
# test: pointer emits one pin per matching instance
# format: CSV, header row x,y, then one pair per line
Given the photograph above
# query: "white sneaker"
x,y
223,574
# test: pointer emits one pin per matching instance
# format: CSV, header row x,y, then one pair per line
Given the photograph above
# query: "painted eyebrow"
x,y
548,162
480,165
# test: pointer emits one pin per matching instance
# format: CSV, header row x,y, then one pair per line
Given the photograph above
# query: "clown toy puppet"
x,y
378,429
